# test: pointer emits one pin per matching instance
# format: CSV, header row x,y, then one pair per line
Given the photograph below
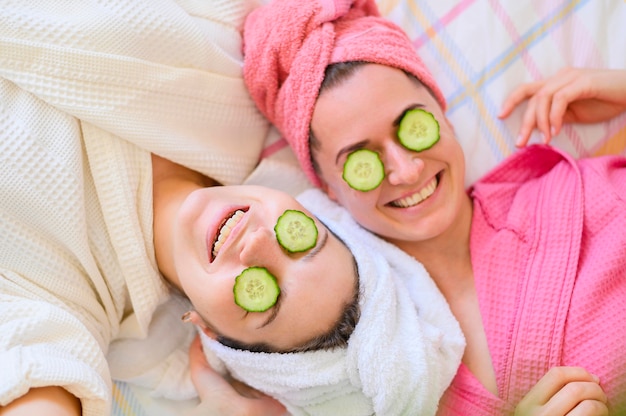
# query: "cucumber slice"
x,y
363,170
418,130
296,231
256,289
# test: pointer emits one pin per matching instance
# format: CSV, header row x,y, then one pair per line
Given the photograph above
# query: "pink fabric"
x,y
548,249
289,43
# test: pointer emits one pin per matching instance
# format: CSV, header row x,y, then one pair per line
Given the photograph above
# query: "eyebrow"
x,y
275,310
283,294
349,149
318,247
397,121
360,144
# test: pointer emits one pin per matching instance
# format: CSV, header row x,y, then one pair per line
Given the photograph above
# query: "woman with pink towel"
x,y
531,258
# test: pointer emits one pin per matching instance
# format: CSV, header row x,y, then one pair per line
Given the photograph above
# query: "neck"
x,y
171,185
447,256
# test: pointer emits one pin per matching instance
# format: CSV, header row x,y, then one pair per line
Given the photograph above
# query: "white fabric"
x,y
87,90
401,356
163,74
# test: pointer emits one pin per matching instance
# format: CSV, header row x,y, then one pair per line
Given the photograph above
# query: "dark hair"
x,y
337,337
334,75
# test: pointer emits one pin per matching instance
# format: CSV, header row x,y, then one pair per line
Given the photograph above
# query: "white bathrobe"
x,y
87,91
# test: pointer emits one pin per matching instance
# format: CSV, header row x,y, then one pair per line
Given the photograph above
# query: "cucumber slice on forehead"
x,y
363,170
256,289
296,231
418,130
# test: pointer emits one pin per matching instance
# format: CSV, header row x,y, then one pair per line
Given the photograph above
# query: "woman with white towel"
x,y
530,258
358,329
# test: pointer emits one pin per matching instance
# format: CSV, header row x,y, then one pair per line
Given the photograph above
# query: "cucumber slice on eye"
x,y
256,289
418,130
363,170
296,231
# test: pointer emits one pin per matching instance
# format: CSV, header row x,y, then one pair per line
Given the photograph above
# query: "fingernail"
x,y
518,141
186,317
553,131
595,378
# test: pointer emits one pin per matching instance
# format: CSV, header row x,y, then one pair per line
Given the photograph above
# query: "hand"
x,y
573,95
568,391
221,397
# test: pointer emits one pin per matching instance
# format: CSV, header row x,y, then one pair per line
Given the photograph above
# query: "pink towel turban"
x,y
289,43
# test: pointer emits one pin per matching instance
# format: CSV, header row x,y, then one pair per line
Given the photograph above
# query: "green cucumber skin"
x,y
356,161
295,231
249,282
422,140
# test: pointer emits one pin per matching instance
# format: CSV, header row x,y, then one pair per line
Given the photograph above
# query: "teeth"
x,y
417,197
224,232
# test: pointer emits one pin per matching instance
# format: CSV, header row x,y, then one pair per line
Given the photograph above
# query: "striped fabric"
x,y
479,50
125,402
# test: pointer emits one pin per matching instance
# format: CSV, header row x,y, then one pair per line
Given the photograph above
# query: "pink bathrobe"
x,y
548,248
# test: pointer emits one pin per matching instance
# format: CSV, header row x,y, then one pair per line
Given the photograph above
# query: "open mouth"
x,y
224,231
418,197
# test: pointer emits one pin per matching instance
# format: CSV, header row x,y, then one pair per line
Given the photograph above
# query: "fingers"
x,y
548,102
590,408
520,93
580,397
536,115
555,379
548,105
203,376
219,397
579,95
568,391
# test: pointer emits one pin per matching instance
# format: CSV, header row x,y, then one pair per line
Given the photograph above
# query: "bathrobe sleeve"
x,y
87,91
62,294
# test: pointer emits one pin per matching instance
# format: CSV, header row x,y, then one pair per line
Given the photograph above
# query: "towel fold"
x,y
401,357
289,43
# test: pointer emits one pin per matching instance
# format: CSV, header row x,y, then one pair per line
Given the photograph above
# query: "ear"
x,y
195,318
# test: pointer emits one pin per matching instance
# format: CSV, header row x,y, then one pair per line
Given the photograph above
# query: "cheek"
x,y
455,157
210,294
361,205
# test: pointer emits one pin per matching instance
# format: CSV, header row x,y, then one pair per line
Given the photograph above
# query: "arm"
x,y
573,95
565,391
218,397
52,401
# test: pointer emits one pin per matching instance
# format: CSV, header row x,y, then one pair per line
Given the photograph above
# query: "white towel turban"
x,y
402,355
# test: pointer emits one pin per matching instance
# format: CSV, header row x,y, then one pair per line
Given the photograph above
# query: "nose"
x,y
259,248
403,166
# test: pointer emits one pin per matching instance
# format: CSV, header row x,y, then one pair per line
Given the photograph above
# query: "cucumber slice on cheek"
x,y
363,170
418,130
256,289
295,231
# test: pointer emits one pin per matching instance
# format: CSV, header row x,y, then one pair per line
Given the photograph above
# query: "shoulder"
x,y
533,180
606,173
527,164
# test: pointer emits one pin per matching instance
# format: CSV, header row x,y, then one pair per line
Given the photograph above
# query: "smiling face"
x,y
422,194
220,231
